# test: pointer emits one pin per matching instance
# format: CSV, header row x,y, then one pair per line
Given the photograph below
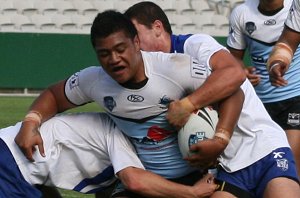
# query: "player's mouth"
x,y
118,69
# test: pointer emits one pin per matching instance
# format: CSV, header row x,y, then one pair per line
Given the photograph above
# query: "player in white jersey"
x,y
155,33
137,89
285,47
84,151
256,26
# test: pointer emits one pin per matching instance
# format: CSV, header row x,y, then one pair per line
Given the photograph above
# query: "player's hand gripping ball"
x,y
200,126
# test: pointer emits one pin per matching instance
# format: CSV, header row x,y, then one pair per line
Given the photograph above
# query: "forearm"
x,y
50,102
229,110
220,84
151,185
229,113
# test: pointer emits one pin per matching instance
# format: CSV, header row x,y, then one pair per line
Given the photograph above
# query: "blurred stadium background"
x,y
43,41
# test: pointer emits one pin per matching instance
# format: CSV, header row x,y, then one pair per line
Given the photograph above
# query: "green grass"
x,y
13,109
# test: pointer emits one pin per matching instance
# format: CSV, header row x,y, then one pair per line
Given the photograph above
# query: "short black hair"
x,y
109,22
146,13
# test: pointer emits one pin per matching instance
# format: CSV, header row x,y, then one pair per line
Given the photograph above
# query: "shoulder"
x,y
243,10
200,39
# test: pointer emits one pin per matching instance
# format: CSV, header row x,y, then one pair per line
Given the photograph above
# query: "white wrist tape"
x,y
33,116
281,52
223,134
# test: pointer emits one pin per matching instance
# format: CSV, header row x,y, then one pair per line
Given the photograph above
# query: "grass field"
x,y
13,109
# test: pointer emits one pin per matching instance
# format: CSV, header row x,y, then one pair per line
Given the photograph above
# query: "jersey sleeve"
x,y
202,47
293,19
236,38
121,152
78,86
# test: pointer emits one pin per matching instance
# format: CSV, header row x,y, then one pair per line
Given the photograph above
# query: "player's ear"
x,y
158,27
136,42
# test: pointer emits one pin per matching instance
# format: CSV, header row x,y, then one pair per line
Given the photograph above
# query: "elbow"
x,y
135,185
132,179
238,77
241,77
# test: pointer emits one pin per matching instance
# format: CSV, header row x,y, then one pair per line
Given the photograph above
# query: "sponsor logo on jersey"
x,y
282,163
250,27
154,136
198,70
73,81
194,138
109,102
135,98
270,22
293,119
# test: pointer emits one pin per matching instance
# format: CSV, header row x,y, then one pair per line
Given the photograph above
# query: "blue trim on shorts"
x,y
254,178
12,182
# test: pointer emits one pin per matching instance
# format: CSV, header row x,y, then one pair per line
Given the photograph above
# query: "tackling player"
x,y
256,26
84,151
155,34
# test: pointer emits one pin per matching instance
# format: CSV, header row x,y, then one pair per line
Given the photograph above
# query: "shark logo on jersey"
x,y
250,27
293,119
291,14
109,102
164,102
73,81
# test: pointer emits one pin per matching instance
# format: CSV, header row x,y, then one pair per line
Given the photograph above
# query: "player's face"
x,y
148,38
120,57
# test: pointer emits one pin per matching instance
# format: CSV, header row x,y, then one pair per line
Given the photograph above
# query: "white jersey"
x,y
293,19
83,152
257,32
140,113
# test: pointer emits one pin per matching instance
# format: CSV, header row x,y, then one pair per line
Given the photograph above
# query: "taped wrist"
x,y
222,135
281,52
188,105
34,116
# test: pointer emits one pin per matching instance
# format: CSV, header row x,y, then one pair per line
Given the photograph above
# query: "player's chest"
x,y
263,28
151,99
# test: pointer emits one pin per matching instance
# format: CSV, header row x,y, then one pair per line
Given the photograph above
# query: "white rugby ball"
x,y
200,126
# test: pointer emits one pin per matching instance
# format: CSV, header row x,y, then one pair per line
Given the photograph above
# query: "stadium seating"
x,y
76,16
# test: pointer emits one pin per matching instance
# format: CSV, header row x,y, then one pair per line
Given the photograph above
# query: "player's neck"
x,y
165,44
270,7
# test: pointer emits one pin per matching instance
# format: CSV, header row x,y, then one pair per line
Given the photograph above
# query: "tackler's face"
x,y
119,55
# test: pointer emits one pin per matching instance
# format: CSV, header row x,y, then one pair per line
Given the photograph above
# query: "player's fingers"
x,y
41,149
28,153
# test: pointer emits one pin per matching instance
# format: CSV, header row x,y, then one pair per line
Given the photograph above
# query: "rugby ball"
x,y
201,125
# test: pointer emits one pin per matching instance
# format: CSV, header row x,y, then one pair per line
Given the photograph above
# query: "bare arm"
x,y
281,56
207,151
225,79
290,37
227,76
151,185
50,102
249,70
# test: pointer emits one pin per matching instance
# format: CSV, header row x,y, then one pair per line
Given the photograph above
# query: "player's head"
x,y
115,41
109,22
152,25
